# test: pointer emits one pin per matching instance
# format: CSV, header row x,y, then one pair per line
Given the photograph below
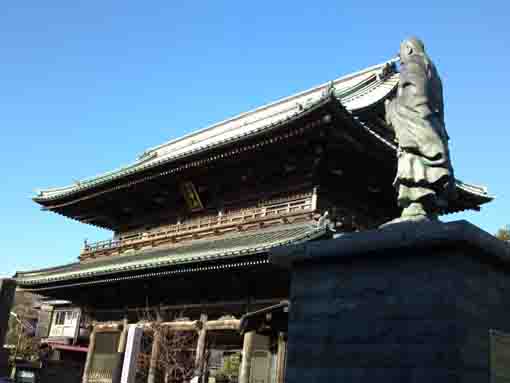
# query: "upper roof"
x,y
145,262
356,92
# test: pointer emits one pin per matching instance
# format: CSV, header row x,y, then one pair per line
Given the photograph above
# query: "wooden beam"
x,y
281,355
92,344
213,325
177,325
226,324
107,326
123,336
154,357
196,305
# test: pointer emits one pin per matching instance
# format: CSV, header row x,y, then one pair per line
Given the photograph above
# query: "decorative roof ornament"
x,y
147,155
388,69
330,90
424,180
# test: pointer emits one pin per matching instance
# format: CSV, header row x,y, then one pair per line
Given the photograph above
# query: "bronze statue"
x,y
424,178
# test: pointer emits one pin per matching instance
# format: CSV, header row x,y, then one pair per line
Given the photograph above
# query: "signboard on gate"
x,y
134,340
191,196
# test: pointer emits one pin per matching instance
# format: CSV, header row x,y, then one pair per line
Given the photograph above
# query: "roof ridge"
x,y
273,103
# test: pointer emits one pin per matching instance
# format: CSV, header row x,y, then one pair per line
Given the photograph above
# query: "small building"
x,y
193,219
62,327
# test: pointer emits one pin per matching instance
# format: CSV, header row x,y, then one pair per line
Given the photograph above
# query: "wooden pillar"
x,y
201,343
246,359
123,336
281,356
154,357
90,352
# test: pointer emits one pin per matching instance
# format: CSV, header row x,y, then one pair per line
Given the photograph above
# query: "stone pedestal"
x,y
4,362
7,290
410,303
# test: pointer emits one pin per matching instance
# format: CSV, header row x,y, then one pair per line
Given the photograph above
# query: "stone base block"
x,y
4,363
411,303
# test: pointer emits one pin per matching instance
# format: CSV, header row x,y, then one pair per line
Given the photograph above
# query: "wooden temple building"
x,y
193,219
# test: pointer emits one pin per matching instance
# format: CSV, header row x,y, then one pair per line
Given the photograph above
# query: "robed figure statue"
x,y
424,178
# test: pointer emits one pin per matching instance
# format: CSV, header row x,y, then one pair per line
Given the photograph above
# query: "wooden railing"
x,y
204,225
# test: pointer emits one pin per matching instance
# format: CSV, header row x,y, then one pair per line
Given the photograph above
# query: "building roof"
x,y
354,97
356,92
195,255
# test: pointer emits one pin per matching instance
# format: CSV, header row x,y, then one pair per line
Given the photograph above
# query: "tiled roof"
x,y
199,251
355,92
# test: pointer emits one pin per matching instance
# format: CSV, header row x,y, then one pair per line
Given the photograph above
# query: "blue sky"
x,y
86,86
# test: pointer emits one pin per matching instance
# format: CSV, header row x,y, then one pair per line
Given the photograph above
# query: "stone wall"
x,y
415,314
4,362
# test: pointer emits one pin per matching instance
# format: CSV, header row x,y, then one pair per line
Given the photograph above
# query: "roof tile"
x,y
228,246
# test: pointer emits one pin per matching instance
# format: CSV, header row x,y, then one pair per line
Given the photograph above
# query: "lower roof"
x,y
198,252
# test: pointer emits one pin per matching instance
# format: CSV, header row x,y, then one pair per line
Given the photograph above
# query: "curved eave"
x,y
369,90
469,196
353,100
80,188
53,202
194,257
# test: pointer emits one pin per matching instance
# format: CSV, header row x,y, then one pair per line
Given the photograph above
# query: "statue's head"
x,y
411,46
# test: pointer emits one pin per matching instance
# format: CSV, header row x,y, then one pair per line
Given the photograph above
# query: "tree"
x,y
171,351
504,233
175,357
20,334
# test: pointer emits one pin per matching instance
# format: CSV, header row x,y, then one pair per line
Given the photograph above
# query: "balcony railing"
x,y
199,227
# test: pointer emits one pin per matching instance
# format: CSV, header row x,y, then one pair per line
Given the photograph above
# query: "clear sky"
x,y
86,86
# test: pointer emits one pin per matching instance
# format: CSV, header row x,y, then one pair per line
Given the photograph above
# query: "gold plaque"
x,y
191,196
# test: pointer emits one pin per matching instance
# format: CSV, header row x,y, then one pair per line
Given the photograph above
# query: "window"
x,y
65,317
60,317
68,318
